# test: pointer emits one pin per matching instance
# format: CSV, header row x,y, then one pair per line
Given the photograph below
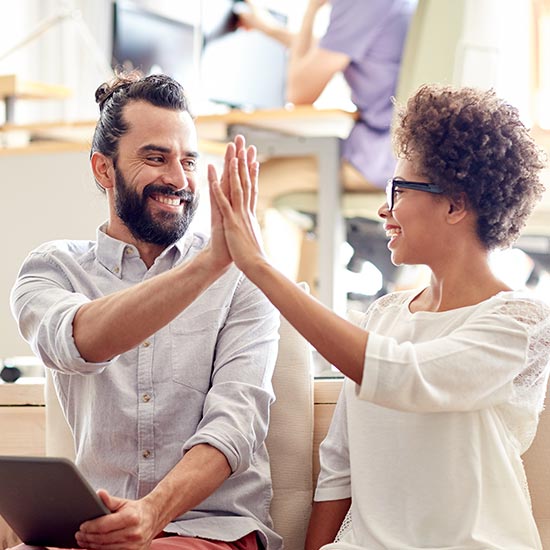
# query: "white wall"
x,y
44,197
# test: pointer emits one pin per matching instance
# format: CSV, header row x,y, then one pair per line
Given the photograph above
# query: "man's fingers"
x,y
230,152
219,201
215,213
212,174
112,502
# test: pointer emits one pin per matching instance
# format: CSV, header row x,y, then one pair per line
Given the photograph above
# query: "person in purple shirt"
x,y
364,40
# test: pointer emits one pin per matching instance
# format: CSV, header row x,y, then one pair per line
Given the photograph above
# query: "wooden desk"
x,y
22,418
13,88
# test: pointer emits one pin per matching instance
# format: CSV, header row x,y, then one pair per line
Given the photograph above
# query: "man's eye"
x,y
155,159
190,165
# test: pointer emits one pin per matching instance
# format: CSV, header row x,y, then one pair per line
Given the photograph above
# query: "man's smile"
x,y
170,200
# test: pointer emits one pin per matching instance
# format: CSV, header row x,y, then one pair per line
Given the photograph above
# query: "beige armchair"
x,y
290,439
537,467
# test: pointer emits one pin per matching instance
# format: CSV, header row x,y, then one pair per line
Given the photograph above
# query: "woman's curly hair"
x,y
468,141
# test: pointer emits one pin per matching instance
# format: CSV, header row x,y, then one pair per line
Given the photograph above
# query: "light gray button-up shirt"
x,y
203,378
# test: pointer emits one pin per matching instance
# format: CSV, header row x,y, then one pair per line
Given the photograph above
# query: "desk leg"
x,y
330,223
9,103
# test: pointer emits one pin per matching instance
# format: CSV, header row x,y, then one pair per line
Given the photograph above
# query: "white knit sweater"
x,y
429,445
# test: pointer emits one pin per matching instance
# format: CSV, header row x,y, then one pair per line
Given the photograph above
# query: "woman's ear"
x,y
103,170
458,208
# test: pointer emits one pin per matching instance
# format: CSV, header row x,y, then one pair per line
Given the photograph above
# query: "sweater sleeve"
x,y
475,366
355,26
334,481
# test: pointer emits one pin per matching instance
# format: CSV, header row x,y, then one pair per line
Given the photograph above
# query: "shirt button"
x,y
146,454
146,344
146,397
128,251
116,270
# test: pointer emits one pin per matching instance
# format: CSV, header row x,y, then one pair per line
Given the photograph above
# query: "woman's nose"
x,y
384,211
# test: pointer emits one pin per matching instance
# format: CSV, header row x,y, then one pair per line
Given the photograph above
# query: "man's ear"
x,y
103,170
458,208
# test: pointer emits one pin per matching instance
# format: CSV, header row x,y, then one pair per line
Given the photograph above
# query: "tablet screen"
x,y
45,500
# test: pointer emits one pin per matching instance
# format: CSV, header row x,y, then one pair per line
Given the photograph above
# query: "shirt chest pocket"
x,y
193,347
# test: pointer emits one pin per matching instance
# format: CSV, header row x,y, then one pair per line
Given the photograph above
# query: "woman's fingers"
x,y
254,178
253,169
213,181
236,191
244,176
251,155
220,205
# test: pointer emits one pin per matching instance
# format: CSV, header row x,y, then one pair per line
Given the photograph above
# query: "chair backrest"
x,y
289,442
537,468
290,438
455,42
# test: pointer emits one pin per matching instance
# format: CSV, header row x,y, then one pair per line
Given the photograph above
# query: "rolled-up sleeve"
x,y
472,368
44,306
236,409
334,481
352,35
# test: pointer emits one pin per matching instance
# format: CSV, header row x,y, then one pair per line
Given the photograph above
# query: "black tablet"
x,y
45,500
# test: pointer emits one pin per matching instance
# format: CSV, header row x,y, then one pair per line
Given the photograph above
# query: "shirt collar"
x,y
111,252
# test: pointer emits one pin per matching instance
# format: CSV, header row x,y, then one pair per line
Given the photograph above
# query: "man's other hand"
x,y
132,526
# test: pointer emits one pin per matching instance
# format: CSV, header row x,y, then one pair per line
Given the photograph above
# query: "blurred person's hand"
x,y
316,4
253,16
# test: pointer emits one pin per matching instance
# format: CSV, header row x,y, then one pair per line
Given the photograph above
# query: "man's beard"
x,y
164,228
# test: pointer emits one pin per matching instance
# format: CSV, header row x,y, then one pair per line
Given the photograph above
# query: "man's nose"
x,y
176,176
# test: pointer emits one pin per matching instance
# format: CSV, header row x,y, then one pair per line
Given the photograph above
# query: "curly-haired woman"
x,y
445,383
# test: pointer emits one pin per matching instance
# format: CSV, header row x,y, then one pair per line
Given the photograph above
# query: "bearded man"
x,y
161,350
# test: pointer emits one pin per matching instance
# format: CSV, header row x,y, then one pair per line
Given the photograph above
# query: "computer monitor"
x,y
240,68
154,44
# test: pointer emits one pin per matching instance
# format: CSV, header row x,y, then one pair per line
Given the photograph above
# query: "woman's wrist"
x,y
255,268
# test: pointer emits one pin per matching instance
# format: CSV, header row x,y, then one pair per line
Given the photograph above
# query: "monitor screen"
x,y
240,68
153,43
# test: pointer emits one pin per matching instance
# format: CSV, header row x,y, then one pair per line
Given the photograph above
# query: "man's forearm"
x,y
198,474
119,322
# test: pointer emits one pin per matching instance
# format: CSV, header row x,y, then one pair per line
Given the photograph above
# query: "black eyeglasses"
x,y
396,183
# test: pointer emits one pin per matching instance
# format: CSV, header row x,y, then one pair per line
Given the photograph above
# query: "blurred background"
x,y
54,54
